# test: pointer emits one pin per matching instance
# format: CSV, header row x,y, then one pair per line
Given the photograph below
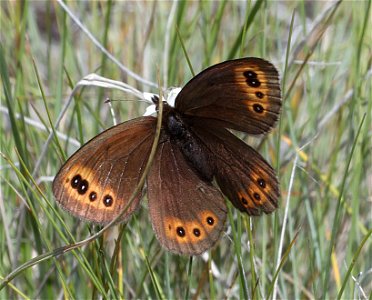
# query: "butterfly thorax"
x,y
179,130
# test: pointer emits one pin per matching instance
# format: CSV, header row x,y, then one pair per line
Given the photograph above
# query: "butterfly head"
x,y
169,98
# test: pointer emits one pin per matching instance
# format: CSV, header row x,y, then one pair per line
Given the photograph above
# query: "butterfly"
x,y
198,162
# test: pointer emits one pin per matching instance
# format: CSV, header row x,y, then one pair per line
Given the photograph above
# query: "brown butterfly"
x,y
187,210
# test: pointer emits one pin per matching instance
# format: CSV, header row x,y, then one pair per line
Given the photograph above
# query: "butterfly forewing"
x,y
243,94
97,181
187,213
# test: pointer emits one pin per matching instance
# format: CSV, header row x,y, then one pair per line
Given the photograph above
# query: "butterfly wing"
x,y
242,94
97,181
242,174
187,213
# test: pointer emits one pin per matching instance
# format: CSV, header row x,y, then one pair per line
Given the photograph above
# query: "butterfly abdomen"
x,y
190,145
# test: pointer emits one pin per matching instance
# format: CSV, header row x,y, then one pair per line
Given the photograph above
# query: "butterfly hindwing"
x,y
97,181
242,94
187,213
242,174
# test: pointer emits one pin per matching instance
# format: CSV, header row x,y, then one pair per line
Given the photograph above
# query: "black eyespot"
x,y
210,221
108,201
75,181
83,187
93,196
259,95
244,201
196,232
253,82
258,108
181,231
257,196
261,182
250,74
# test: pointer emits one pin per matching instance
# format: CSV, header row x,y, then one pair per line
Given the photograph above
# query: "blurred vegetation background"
x,y
316,245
